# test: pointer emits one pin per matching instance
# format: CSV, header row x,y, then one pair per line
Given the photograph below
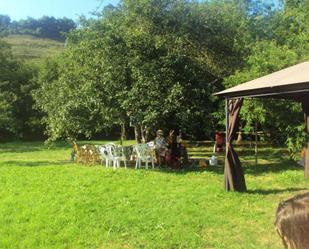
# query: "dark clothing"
x,y
219,139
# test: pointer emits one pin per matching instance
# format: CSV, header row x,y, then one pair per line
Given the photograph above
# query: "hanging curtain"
x,y
306,114
233,174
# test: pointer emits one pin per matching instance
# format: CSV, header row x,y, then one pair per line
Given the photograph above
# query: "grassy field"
x,y
48,202
30,48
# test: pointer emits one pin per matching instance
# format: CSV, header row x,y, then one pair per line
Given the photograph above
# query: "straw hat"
x,y
160,132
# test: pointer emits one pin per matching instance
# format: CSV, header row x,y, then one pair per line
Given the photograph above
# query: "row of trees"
x,y
18,117
151,64
44,27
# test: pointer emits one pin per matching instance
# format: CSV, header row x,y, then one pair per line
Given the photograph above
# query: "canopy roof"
x,y
288,83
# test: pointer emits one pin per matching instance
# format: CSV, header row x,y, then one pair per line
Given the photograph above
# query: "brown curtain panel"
x,y
306,114
234,179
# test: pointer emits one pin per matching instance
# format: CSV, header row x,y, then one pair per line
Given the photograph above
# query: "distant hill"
x,y
30,48
44,27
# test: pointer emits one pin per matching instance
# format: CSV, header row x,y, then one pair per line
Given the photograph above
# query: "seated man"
x,y
292,222
160,145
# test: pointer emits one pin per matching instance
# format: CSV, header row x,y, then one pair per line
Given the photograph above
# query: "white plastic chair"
x,y
116,155
104,155
144,154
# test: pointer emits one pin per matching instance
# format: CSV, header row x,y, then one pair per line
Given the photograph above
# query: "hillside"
x,y
30,48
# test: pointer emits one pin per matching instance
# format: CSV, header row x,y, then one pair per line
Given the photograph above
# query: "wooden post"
x,y
226,178
227,119
256,145
306,115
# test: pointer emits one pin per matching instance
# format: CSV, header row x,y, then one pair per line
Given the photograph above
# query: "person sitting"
x,y
219,142
292,222
172,155
160,145
183,154
176,156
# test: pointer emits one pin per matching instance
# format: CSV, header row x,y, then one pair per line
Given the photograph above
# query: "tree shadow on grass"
x,y
10,148
273,191
276,167
189,168
20,147
216,169
267,155
260,169
249,168
34,163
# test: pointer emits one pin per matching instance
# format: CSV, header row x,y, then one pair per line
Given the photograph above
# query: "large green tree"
x,y
146,64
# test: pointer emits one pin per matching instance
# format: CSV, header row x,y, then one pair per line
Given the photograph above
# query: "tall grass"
x,y
32,49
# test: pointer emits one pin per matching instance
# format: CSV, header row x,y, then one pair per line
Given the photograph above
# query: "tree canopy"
x,y
149,64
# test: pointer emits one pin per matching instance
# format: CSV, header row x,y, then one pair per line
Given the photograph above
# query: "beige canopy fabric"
x,y
288,83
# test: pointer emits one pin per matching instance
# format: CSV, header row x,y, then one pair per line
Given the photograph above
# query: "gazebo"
x,y
290,83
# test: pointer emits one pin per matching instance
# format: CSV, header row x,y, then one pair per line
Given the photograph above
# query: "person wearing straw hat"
x,y
160,146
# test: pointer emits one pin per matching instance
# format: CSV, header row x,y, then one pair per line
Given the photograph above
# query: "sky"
x,y
21,9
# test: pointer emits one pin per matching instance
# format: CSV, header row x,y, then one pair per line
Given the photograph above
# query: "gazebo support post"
x,y
226,118
306,115
234,179
256,144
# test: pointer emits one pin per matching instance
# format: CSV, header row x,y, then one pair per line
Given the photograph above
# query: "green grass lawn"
x,y
33,49
48,202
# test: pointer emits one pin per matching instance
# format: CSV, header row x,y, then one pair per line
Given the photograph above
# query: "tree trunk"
x,y
144,134
123,135
137,133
